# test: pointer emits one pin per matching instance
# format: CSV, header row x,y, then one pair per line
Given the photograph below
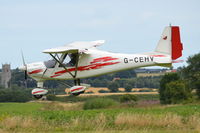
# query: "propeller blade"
x,y
25,69
24,63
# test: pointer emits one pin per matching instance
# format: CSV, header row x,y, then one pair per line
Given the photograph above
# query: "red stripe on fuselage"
x,y
158,55
102,61
36,71
84,68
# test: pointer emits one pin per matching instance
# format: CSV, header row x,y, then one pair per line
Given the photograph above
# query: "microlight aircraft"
x,y
79,60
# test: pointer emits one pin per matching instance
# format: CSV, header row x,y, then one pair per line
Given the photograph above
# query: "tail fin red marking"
x,y
176,43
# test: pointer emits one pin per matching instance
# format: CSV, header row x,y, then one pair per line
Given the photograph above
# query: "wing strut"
x,y
76,66
62,65
76,81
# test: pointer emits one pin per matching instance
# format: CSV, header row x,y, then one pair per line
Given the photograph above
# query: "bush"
x,y
145,90
51,97
7,95
113,87
128,98
128,87
99,103
177,92
103,91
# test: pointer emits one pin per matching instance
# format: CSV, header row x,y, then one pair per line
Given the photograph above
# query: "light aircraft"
x,y
79,60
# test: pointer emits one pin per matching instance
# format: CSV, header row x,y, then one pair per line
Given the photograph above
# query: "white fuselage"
x,y
95,62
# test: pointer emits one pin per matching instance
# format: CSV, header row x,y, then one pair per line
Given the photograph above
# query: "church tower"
x,y
6,75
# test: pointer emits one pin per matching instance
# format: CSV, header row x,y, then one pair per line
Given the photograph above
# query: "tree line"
x,y
122,79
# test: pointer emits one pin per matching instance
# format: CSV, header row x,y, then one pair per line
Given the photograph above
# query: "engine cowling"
x,y
77,90
39,92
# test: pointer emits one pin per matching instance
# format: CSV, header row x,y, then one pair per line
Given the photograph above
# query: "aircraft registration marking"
x,y
138,59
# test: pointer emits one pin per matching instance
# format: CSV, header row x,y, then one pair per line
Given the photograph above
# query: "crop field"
x,y
95,91
54,116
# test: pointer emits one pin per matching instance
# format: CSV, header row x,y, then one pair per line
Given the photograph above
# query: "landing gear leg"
x,y
39,92
77,82
40,84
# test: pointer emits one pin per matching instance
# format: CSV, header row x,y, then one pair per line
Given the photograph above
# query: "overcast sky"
x,y
128,26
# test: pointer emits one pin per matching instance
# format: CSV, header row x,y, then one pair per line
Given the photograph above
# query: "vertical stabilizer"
x,y
170,42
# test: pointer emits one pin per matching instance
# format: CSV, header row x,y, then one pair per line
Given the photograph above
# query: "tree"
x,y
167,78
125,74
113,87
191,73
128,87
176,92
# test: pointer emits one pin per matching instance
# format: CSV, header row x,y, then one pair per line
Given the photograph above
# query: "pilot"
x,y
50,63
73,58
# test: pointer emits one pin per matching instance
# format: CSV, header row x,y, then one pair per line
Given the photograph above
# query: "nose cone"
x,y
22,68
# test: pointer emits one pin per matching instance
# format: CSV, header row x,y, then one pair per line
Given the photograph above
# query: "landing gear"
x,y
77,89
37,96
77,82
39,92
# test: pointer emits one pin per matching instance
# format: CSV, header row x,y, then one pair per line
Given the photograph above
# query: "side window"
x,y
50,63
70,59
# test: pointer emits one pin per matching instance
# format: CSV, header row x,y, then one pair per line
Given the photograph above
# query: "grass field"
x,y
70,117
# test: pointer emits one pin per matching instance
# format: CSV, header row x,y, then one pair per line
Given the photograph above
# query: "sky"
x,y
128,26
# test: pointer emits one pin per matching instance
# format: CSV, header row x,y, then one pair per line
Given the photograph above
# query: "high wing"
x,y
75,47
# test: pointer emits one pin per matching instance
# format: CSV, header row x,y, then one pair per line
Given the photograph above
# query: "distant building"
x,y
5,75
155,70
150,72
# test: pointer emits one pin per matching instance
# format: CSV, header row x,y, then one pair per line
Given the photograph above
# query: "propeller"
x,y
24,68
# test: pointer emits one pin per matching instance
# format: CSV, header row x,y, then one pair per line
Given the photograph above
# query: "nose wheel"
x,y
39,92
37,96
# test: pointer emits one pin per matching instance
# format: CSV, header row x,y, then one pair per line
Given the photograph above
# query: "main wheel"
x,y
78,93
38,96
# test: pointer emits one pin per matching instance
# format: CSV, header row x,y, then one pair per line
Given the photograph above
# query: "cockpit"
x,y
67,60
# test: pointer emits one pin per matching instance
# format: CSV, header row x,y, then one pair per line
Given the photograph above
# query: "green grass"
x,y
114,97
64,116
99,103
19,107
31,117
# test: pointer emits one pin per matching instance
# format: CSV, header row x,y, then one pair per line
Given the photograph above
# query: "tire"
x,y
37,96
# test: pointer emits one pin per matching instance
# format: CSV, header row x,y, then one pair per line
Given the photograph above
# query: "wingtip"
x,y
99,41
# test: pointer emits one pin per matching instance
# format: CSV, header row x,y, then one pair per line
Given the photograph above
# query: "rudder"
x,y
177,46
170,42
